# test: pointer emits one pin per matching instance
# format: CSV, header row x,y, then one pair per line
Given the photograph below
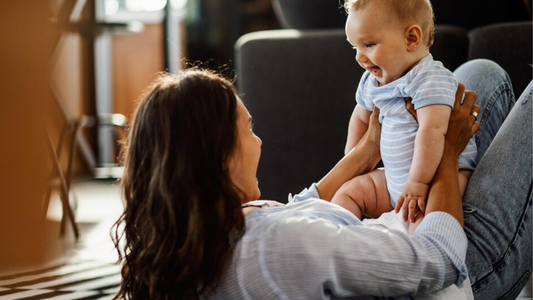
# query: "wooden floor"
x,y
74,269
99,205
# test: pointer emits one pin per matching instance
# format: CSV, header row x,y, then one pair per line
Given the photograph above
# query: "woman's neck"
x,y
247,210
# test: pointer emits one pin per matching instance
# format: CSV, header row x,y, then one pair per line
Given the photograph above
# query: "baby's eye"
x,y
369,45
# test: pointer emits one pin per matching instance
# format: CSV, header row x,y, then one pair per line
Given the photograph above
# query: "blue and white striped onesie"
x,y
427,83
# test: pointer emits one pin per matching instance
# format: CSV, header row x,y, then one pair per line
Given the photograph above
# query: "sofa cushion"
x,y
450,46
299,87
509,45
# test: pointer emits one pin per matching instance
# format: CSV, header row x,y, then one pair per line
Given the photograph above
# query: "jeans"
x,y
497,202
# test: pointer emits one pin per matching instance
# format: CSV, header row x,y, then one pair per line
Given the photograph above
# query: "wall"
x,y
25,36
137,59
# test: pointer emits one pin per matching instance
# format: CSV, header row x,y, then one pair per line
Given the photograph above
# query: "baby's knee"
x,y
353,189
350,196
359,191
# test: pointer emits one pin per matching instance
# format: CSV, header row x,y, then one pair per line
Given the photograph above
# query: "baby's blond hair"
x,y
407,11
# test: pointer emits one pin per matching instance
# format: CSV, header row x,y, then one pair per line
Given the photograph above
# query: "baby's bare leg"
x,y
365,195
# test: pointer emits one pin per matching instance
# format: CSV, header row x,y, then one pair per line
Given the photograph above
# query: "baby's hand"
x,y
412,200
414,225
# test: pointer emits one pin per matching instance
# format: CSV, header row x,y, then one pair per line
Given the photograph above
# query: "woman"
x,y
190,163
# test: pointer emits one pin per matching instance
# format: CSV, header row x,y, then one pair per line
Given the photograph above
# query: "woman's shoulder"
x,y
296,217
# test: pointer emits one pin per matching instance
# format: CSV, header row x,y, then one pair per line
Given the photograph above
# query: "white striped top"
x,y
428,83
314,249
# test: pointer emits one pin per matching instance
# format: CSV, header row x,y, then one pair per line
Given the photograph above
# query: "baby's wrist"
x,y
414,181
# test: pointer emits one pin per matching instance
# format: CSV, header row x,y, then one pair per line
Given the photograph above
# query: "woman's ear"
x,y
413,37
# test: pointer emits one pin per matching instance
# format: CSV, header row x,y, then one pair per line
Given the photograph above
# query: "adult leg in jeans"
x,y
495,96
498,199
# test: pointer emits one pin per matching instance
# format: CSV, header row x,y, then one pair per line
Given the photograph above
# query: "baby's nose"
x,y
360,58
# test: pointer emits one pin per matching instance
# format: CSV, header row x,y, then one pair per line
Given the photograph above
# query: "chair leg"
x,y
72,152
63,193
48,194
47,201
63,223
60,141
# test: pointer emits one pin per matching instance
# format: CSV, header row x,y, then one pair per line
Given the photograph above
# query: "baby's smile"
x,y
374,70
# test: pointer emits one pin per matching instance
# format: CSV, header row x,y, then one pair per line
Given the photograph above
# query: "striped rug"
x,y
80,280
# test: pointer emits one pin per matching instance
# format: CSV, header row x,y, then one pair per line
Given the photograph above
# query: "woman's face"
x,y
243,164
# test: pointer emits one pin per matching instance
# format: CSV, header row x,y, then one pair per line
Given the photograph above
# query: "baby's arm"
x,y
464,177
429,146
357,127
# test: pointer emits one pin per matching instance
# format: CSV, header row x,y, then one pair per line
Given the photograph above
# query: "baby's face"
x,y
380,43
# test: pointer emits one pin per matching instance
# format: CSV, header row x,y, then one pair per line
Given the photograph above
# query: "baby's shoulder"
x,y
432,73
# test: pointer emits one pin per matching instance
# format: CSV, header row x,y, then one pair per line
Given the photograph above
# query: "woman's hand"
x,y
463,124
372,136
459,129
444,193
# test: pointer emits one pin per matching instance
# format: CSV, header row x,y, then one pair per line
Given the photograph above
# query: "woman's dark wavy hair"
x,y
182,213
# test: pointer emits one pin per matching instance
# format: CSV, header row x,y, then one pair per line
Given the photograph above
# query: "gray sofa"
x,y
299,87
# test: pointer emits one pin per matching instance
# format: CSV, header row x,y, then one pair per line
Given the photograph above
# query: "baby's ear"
x,y
413,37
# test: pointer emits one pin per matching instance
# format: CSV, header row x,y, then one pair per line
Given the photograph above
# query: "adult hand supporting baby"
x,y
444,194
462,126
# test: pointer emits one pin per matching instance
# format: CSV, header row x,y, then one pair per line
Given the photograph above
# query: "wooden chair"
x,y
60,178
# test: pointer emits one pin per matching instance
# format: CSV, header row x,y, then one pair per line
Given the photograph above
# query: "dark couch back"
x,y
301,95
509,45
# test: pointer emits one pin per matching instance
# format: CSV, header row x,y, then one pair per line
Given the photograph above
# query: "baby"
x,y
392,40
